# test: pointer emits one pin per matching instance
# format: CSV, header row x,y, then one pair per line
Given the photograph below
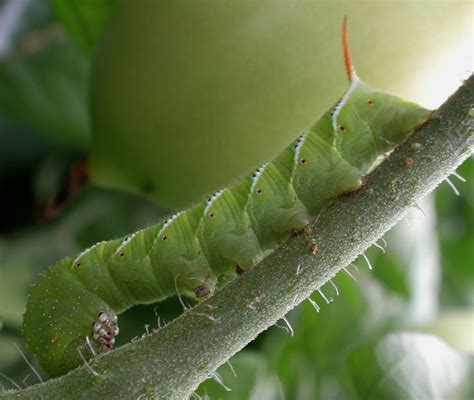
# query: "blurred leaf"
x,y
253,381
84,19
14,285
35,175
19,147
19,17
456,327
456,233
51,177
12,361
410,266
411,366
46,90
310,362
389,269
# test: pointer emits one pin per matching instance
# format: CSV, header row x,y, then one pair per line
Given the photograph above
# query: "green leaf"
x,y
11,361
83,19
411,366
253,380
14,285
309,363
456,233
456,328
19,147
46,91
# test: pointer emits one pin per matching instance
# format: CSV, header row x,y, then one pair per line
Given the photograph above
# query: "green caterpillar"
x,y
78,299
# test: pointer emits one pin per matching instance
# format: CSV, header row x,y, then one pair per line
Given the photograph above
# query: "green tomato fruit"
x,y
189,95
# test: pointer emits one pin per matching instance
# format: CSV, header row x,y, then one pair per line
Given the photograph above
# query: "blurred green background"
x,y
402,331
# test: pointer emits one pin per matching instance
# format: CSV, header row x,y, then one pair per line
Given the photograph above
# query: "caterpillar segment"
x,y
221,237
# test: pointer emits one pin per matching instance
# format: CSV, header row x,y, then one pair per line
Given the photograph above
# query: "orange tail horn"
x,y
350,70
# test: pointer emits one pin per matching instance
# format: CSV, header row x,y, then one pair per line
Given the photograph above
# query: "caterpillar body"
x,y
78,299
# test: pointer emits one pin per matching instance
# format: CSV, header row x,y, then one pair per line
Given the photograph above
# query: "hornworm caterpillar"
x,y
78,299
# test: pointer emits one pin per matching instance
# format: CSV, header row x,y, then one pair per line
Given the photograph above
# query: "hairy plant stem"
x,y
171,362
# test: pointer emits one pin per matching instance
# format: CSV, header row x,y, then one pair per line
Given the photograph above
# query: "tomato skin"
x,y
187,96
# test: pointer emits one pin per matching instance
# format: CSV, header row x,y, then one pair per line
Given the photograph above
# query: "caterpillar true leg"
x,y
104,330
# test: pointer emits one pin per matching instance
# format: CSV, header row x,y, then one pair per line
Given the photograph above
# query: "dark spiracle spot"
x,y
370,102
342,128
78,265
303,161
211,215
258,191
121,254
202,291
